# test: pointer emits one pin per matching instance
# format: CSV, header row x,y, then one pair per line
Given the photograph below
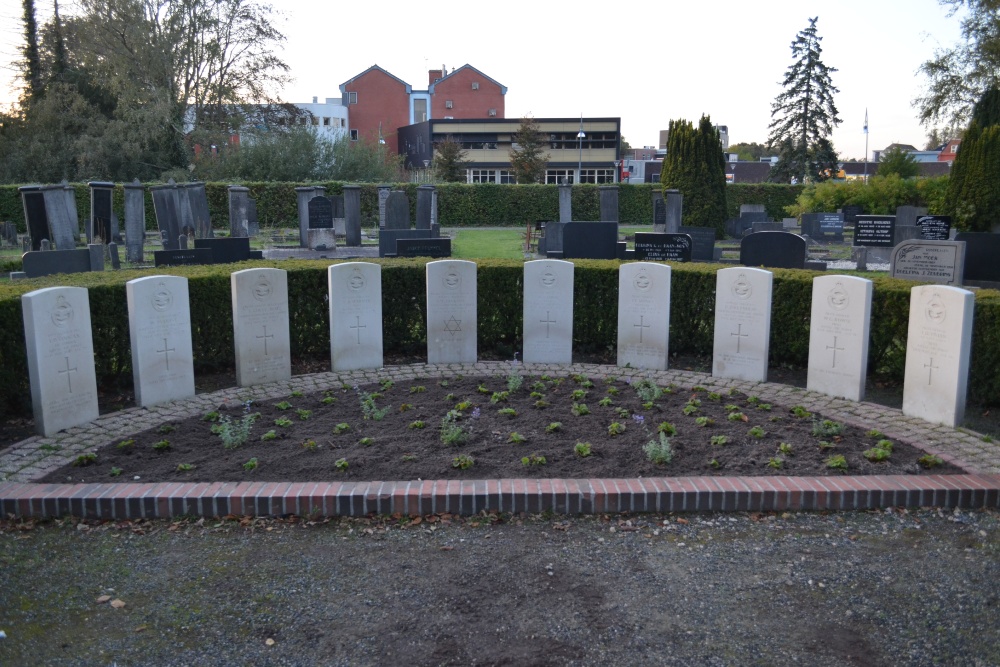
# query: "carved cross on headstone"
x,y
548,321
68,373
166,353
930,370
835,350
358,326
264,338
641,325
739,336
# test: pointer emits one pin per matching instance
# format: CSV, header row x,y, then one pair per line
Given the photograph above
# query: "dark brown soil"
x,y
402,438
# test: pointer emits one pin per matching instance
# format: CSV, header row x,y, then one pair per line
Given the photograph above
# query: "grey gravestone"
x,y
303,195
46,246
354,290
434,209
33,202
565,202
608,203
96,251
383,195
182,242
703,243
590,240
940,262
767,227
982,251
37,263
253,222
397,211
780,250
198,199
338,205
424,195
663,247
165,208
934,227
675,210
423,247
851,213
8,233
659,215
388,238
226,251
70,192
752,208
875,231
182,257
905,233
352,215
907,215
60,226
116,261
239,206
101,213
159,322
821,225
554,237
135,221
320,210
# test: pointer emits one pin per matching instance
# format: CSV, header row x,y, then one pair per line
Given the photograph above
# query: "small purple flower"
x,y
638,419
628,380
475,413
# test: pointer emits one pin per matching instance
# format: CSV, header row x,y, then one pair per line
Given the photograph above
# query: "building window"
x,y
475,85
556,176
354,135
482,176
506,176
597,176
493,112
954,148
326,121
448,104
352,98
343,122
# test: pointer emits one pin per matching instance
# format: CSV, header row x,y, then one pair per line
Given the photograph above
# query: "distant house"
x,y
949,151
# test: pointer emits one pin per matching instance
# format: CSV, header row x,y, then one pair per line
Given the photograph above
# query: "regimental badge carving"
x,y
452,280
63,313
357,280
642,281
742,289
162,299
262,289
548,278
935,310
838,298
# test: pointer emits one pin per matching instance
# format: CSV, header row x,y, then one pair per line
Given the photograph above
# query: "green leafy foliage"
x,y
695,165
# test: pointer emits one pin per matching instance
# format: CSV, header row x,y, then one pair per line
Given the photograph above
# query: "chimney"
x,y
435,75
315,99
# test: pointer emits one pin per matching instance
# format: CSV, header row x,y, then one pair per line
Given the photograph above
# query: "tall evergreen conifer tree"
x,y
973,189
695,165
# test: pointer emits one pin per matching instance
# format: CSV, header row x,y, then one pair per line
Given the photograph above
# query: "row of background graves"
x,y
61,355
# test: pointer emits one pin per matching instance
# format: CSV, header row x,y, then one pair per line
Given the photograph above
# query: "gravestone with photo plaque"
x,y
159,318
355,294
839,329
643,315
260,326
742,324
548,312
451,312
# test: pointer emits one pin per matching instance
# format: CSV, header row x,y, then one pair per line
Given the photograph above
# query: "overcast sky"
x,y
646,62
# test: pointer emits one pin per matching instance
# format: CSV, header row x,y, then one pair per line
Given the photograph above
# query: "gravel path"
x,y
864,588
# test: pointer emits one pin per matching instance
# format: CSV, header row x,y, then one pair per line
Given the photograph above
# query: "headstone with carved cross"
x,y
643,315
60,350
260,326
548,311
159,318
355,294
839,329
742,324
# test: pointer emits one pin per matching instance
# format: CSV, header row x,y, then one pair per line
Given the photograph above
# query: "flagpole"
x,y
866,144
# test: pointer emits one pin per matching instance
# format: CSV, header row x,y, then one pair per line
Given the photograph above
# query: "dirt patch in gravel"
x,y
485,428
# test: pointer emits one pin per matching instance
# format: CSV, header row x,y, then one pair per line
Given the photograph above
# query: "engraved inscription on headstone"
x,y
876,231
941,262
934,227
643,315
663,247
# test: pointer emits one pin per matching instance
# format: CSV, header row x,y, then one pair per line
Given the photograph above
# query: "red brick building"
x,y
376,99
465,93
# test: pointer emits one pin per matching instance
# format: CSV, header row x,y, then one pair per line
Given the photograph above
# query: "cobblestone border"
x,y
35,457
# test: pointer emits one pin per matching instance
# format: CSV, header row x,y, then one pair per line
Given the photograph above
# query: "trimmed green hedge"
x,y
459,204
500,313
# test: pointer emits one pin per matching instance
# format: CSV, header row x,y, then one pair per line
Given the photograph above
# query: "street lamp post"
x,y
618,172
580,136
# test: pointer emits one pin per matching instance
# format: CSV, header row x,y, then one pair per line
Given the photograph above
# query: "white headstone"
x,y
742,324
548,312
938,343
643,315
838,336
451,312
355,290
60,350
260,326
159,318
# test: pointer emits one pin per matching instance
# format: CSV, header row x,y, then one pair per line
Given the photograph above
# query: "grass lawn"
x,y
483,243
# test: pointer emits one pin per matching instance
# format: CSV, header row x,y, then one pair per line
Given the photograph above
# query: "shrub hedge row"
x,y
459,204
500,313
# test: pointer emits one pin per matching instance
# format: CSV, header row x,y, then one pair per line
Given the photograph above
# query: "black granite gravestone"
x,y
226,251
663,247
46,263
183,257
779,250
934,227
659,214
423,247
875,231
703,243
320,213
982,251
851,213
338,205
397,211
100,212
590,240
387,239
820,225
34,214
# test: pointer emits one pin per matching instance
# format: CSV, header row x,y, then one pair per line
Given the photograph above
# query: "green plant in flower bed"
x,y
800,412
304,414
185,467
874,433
580,409
340,465
533,460
582,449
714,396
704,421
419,389
690,410
737,417
161,446
166,428
753,400
126,444
516,438
405,407
85,459
284,405
604,402
251,465
283,422
622,413
659,451
366,441
507,412
409,457
646,390
538,386
536,395
698,388
450,398
463,462
837,462
296,394
775,462
880,452
930,461
719,440
270,435
784,448
732,408
616,428
369,410
462,406
578,394
342,427
553,427
612,391
499,396
310,445
482,389
328,400
416,424
115,472
386,384
541,405
756,432
826,444
766,407
451,432
666,428
714,464
443,383
579,379
647,406
827,428
212,416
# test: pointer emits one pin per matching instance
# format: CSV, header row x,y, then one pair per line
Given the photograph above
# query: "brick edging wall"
x,y
562,496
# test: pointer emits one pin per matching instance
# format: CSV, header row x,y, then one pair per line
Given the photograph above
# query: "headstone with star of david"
x,y
742,324
548,312
451,312
159,319
839,328
643,315
260,326
355,292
